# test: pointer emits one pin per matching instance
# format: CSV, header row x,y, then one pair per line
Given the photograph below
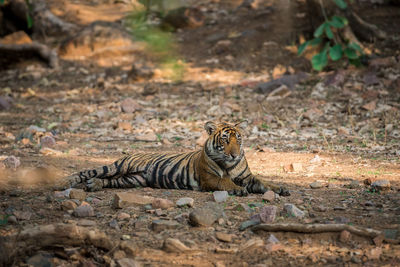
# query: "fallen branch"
x,y
14,51
321,228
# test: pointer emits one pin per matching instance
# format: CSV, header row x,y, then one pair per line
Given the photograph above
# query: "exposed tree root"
x,y
8,52
321,228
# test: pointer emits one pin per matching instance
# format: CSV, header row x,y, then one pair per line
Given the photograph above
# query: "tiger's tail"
x,y
112,171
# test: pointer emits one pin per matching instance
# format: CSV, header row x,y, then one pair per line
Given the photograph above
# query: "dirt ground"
x,y
343,135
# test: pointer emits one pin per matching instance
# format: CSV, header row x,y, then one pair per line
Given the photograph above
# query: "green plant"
x,y
324,36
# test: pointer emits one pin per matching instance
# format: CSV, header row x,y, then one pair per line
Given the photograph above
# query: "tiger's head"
x,y
224,144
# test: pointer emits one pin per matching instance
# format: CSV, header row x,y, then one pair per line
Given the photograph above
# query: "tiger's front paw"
x,y
94,184
240,191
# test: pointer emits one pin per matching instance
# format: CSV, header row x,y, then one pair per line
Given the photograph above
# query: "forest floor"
x,y
326,140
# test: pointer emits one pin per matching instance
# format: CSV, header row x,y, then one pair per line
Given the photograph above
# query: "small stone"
x,y
114,224
381,185
272,239
174,245
125,237
124,125
12,219
223,237
126,199
268,214
374,253
128,262
345,236
84,222
47,141
161,225
129,105
320,208
40,260
370,106
161,203
293,211
246,224
23,215
378,240
342,219
62,194
220,196
279,93
77,194
252,244
123,216
369,203
11,162
269,196
296,167
84,211
205,216
316,185
354,184
185,201
68,205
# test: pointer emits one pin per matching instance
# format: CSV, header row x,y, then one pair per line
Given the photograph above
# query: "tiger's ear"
x,y
210,127
242,125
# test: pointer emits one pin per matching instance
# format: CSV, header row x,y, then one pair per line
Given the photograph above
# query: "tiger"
x,y
220,165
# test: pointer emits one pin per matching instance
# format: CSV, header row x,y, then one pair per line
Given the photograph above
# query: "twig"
x,y
321,228
128,139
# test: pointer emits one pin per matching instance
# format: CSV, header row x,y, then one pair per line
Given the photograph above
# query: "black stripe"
x,y
105,172
245,169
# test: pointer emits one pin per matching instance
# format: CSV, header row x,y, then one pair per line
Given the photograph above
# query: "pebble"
x,y
114,224
246,224
174,245
185,201
47,141
161,203
123,216
223,237
345,236
68,205
125,237
161,225
316,185
126,199
23,215
320,208
12,219
205,216
77,194
374,253
11,162
129,105
62,194
40,260
128,262
269,196
381,185
354,184
268,214
84,222
84,211
252,244
220,196
272,239
296,167
293,211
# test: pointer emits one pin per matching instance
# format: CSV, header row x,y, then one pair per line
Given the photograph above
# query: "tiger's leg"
x,y
214,183
241,175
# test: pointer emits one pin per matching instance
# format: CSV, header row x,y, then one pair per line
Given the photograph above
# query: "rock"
x,y
125,237
354,184
123,216
124,125
41,260
68,205
269,196
272,239
205,216
86,223
223,237
84,211
342,219
129,105
316,185
114,224
320,208
267,214
128,262
119,254
126,199
5,103
12,219
161,203
370,106
378,240
149,136
62,194
77,194
374,253
185,201
252,244
222,46
368,203
11,162
279,93
161,225
174,245
246,224
381,185
345,236
142,73
296,167
23,215
220,196
293,211
367,181
320,91
47,141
